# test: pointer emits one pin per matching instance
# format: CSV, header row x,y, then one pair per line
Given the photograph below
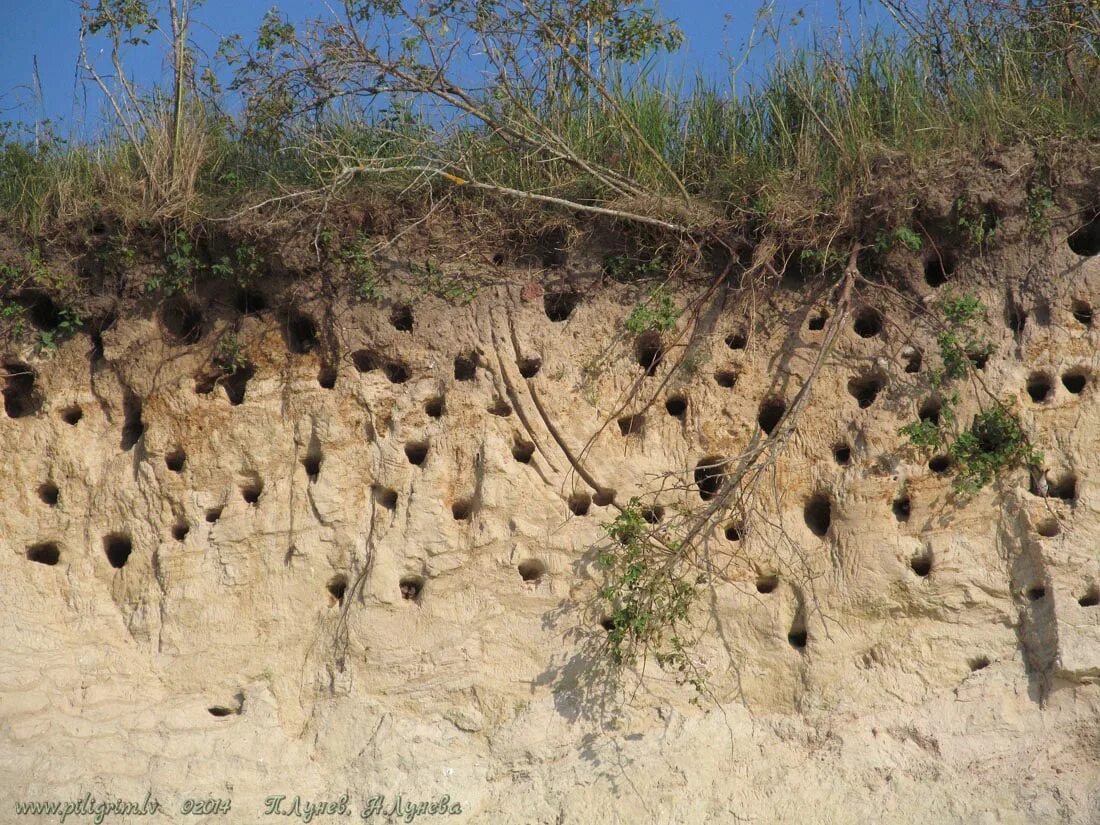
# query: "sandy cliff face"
x,y
358,565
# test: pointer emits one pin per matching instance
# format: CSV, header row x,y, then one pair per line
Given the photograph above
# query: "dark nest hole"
x,y
416,452
921,564
979,358
312,465
434,407
938,268
902,508
868,323
842,454
249,301
462,509
1064,488
653,515
44,313
236,383
1085,240
180,530
221,711
133,428
21,399
1048,528
326,376
213,514
466,366
939,464
337,587
1039,387
604,497
252,490
978,663
767,584
49,493
913,359
182,320
529,367
118,547
499,259
522,451
798,638
733,531
648,351
411,588
386,497
769,415
1033,594
818,514
737,340
817,322
402,318
1015,317
725,378
1090,598
364,360
676,406
865,388
1082,313
300,331
500,408
579,503
1075,380
531,570
631,424
44,553
175,460
929,411
710,473
559,305
72,414
396,372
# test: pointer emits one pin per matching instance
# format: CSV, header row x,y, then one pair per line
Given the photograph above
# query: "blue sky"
x,y
47,30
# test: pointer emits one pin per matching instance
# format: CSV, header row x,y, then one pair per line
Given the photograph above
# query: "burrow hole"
x,y
1039,386
912,358
607,623
44,553
842,454
1048,528
182,320
118,547
710,473
676,406
770,414
979,358
868,323
175,460
631,424
249,301
653,515
402,318
1082,313
978,663
337,588
930,409
798,637
939,464
326,376
49,493
902,508
71,415
1035,593
579,503
20,397
252,489
767,583
411,588
1064,487
818,514
462,509
604,497
363,360
938,268
44,312
1015,317
133,428
416,452
301,333
1075,380
395,372
466,366
236,383
921,564
733,531
180,530
865,388
522,450
737,340
213,514
725,378
312,464
221,711
531,570
1090,598
500,408
648,351
1085,240
560,305
386,497
817,322
434,407
529,367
